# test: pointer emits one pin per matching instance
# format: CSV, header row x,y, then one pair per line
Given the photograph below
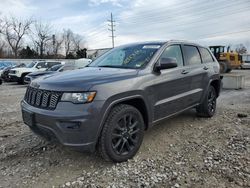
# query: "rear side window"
x,y
192,55
174,51
206,56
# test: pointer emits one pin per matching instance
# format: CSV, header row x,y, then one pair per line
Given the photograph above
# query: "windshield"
x,y
133,57
31,65
54,68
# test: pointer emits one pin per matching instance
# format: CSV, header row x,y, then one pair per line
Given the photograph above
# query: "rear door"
x,y
197,72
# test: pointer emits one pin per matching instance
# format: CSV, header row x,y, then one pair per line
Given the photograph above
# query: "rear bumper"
x,y
72,125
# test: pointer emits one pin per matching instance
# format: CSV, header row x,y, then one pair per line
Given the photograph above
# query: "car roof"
x,y
163,43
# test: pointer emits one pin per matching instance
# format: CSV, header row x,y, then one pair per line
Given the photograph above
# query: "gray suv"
x,y
109,104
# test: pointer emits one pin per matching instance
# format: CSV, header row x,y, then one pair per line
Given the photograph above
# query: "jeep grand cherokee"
x,y
109,104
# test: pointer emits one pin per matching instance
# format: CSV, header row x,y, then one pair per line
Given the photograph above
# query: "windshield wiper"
x,y
112,66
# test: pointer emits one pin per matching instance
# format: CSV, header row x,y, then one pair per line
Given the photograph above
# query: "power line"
x,y
148,18
180,24
154,14
214,35
176,17
112,25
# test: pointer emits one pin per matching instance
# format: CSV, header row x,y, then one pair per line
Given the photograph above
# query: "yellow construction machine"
x,y
228,60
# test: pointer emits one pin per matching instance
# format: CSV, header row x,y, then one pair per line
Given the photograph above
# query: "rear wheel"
x,y
208,107
122,134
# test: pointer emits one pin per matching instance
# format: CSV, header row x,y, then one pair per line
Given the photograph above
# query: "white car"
x,y
18,74
245,65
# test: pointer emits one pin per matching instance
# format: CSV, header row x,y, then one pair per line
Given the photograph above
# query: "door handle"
x,y
205,68
184,72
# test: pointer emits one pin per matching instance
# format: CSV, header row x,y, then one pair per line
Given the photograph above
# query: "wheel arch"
x,y
137,101
217,86
24,74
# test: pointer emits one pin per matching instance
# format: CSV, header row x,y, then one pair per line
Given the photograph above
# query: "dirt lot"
x,y
184,151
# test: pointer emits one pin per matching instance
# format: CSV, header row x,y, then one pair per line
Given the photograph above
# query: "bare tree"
x,y
42,36
2,46
241,49
57,43
14,30
68,36
78,42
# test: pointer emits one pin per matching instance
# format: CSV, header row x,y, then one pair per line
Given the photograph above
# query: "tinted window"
x,y
173,51
192,55
51,64
31,65
55,68
206,56
66,68
41,65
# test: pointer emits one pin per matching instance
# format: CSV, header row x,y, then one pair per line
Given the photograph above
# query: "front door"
x,y
171,86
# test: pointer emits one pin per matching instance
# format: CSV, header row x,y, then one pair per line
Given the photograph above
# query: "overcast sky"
x,y
209,22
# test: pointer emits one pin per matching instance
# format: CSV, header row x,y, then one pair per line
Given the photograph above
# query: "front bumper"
x,y
14,78
72,125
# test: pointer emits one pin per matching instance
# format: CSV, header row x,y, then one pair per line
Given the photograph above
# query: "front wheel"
x,y
208,107
122,134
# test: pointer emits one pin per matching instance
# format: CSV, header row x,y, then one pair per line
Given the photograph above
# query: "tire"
x,y
122,134
21,81
223,67
208,107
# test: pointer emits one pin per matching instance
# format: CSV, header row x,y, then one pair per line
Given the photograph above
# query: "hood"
x,y
24,69
82,79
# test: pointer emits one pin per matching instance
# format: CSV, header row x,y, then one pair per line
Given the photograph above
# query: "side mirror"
x,y
166,63
39,66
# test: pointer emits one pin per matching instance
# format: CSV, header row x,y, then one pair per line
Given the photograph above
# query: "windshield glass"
x,y
54,68
31,65
134,56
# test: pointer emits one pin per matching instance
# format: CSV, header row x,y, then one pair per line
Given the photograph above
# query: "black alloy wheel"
x,y
122,133
125,134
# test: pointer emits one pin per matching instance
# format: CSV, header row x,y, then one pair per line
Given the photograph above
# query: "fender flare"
x,y
209,83
112,104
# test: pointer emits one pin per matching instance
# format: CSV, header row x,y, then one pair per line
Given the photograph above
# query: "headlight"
x,y
77,98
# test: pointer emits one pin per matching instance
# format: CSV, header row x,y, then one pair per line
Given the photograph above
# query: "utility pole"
x,y
112,25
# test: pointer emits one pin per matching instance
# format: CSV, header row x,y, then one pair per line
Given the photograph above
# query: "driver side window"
x,y
173,51
41,65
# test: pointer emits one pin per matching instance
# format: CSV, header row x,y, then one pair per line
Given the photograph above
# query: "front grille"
x,y
42,98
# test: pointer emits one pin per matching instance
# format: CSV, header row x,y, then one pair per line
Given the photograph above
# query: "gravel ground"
x,y
184,151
